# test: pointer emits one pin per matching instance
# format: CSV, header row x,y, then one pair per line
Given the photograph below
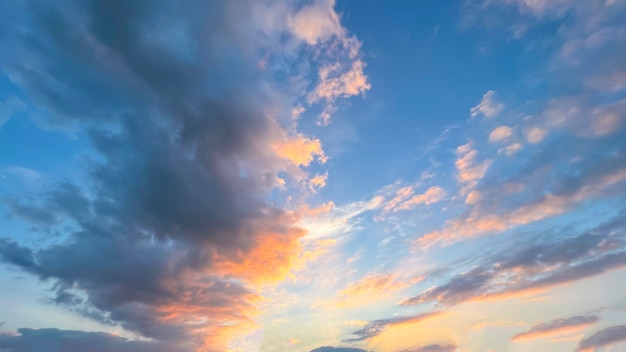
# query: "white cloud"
x,y
500,134
488,106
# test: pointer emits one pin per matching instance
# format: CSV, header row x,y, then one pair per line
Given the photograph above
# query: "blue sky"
x,y
313,175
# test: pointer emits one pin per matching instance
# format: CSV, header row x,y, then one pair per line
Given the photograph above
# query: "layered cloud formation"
x,y
214,197
189,133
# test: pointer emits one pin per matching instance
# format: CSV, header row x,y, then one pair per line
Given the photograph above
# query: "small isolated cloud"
x,y
488,106
318,181
603,338
512,149
557,326
300,150
536,134
500,134
449,347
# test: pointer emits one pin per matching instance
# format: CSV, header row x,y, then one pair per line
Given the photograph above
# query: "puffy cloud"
x,y
488,106
300,150
316,22
500,134
44,340
433,348
603,338
557,326
318,181
171,235
512,149
470,170
536,134
570,114
335,82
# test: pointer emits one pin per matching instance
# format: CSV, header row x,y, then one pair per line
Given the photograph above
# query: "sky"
x,y
313,176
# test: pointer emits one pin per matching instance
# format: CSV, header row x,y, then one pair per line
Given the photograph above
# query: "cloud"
x,y
317,22
500,134
534,265
488,106
603,338
405,199
376,327
470,170
331,221
300,150
370,289
481,219
512,149
318,181
45,340
433,348
536,134
170,234
557,326
430,196
334,83
337,349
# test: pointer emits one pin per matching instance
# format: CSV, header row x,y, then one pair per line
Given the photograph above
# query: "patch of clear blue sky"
x,y
426,72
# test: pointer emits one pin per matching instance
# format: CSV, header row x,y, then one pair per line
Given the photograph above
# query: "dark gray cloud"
x,y
178,117
338,349
536,263
55,340
556,326
375,327
602,338
433,348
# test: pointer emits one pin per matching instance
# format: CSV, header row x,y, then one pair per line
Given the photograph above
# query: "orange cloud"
x,y
318,181
335,82
469,170
300,150
479,222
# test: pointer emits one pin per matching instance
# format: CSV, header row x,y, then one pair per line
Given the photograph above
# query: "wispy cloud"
x,y
603,338
557,326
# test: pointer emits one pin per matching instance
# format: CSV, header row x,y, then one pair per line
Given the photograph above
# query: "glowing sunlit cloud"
x,y
336,83
300,150
478,223
469,169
